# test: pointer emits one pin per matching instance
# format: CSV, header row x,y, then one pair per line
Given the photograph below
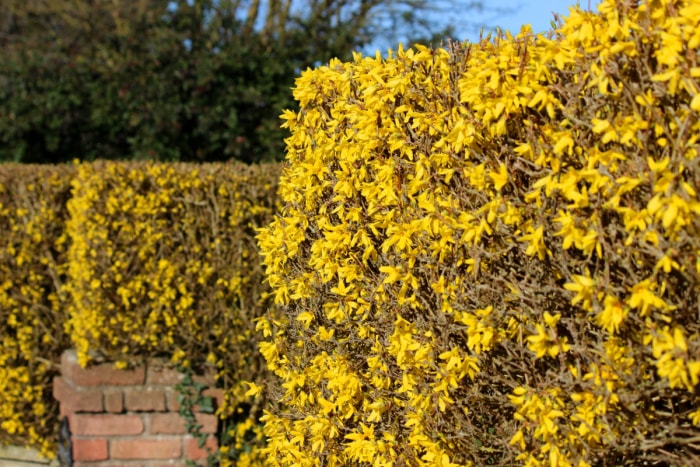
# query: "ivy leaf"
x,y
206,405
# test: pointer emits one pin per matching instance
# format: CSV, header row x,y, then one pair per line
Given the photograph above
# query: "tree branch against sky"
x,y
341,26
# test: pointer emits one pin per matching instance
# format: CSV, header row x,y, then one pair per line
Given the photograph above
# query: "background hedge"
x,y
129,261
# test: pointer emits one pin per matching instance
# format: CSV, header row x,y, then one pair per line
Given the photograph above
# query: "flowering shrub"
x,y
32,254
163,261
490,254
127,261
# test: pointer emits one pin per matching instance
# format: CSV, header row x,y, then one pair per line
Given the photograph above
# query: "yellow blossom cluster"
x,y
490,254
241,445
32,252
128,261
163,261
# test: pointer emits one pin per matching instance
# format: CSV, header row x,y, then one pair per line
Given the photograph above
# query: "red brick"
x,y
106,425
193,452
144,449
74,400
106,464
174,424
114,464
99,375
167,424
117,464
90,450
171,396
145,400
163,376
209,422
114,401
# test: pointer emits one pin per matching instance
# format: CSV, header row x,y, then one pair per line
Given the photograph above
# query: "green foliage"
x,y
190,397
145,96
195,81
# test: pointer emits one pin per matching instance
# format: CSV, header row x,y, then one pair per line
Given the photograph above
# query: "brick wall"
x,y
128,418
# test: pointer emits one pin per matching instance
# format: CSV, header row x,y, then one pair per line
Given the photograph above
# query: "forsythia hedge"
x,y
490,255
163,261
32,273
130,260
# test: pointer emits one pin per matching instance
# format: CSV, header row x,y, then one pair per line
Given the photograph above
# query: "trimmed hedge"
x,y
32,274
126,261
490,255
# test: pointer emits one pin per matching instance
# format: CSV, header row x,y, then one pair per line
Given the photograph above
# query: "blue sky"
x,y
538,13
515,13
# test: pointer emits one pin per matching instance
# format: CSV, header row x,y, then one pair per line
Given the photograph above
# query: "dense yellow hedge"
x,y
125,261
32,254
490,255
163,261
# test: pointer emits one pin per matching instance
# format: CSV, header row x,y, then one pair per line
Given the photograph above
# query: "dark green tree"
x,y
188,80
